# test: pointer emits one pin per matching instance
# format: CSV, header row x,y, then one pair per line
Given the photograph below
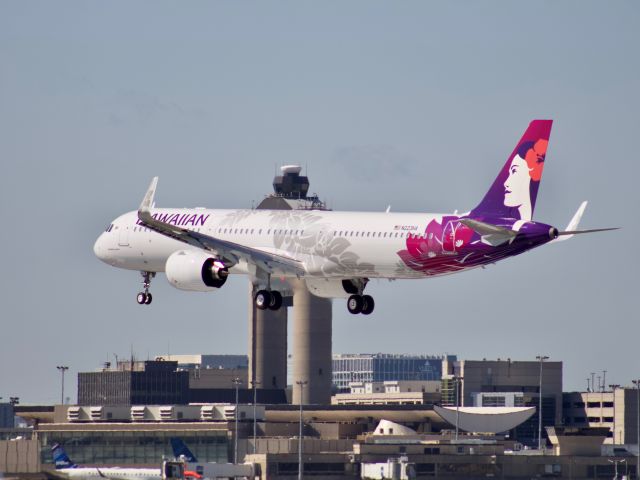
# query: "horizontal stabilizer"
x,y
490,234
593,230
572,227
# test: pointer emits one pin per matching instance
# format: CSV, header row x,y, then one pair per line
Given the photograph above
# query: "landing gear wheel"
x,y
276,300
367,304
144,297
262,299
355,304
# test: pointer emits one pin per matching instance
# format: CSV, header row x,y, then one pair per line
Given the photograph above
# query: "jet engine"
x,y
195,271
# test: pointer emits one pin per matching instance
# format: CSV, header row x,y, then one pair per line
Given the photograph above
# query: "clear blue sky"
x,y
413,104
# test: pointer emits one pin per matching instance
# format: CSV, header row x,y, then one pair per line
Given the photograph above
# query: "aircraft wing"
x,y
229,253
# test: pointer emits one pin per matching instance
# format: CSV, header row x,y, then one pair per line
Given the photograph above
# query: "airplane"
x,y
209,469
336,254
65,468
180,450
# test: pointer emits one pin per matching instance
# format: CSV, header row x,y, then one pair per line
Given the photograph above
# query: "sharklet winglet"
x,y
147,201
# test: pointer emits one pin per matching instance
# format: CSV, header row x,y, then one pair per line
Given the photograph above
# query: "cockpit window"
x,y
109,228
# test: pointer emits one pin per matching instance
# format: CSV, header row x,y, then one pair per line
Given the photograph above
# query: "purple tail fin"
x,y
514,191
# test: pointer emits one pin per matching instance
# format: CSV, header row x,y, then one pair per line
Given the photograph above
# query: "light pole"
x,y
62,369
613,387
237,382
615,463
637,384
540,358
302,383
457,380
254,384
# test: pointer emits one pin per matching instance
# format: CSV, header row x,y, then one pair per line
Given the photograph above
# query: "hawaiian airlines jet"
x,y
335,253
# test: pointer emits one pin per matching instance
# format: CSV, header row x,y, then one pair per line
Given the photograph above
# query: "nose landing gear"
x,y
145,297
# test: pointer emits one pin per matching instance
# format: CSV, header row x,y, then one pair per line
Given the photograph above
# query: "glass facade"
x,y
381,367
132,447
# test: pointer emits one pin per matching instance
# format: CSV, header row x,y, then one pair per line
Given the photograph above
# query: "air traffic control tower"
x,y
311,316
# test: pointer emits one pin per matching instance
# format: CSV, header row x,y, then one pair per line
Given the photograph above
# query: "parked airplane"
x,y
181,451
65,468
336,253
210,469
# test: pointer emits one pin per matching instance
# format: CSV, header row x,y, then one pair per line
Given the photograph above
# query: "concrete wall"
x,y
19,456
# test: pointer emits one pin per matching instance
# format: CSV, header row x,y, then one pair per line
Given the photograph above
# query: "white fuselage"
x,y
115,473
329,244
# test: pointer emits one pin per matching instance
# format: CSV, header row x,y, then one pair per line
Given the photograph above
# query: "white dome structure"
x,y
386,427
486,419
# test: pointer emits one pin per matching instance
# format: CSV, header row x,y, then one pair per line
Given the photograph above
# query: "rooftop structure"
x,y
380,367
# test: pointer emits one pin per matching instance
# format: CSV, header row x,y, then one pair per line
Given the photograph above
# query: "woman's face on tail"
x,y
516,187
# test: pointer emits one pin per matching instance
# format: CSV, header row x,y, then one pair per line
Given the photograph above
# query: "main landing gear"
x,y
268,299
363,304
357,302
145,297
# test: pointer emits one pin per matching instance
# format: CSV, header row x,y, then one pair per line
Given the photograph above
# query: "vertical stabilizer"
x,y
60,457
515,189
180,449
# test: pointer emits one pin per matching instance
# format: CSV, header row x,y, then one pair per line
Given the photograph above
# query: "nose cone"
x,y
100,249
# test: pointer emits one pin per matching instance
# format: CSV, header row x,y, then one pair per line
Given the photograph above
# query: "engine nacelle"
x,y
195,271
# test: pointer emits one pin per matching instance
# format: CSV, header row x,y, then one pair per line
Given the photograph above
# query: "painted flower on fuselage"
x,y
436,250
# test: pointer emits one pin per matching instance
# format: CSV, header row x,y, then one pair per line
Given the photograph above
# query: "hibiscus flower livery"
x,y
450,245
441,249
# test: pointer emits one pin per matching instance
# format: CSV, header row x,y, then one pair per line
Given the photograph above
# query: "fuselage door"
x,y
123,236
